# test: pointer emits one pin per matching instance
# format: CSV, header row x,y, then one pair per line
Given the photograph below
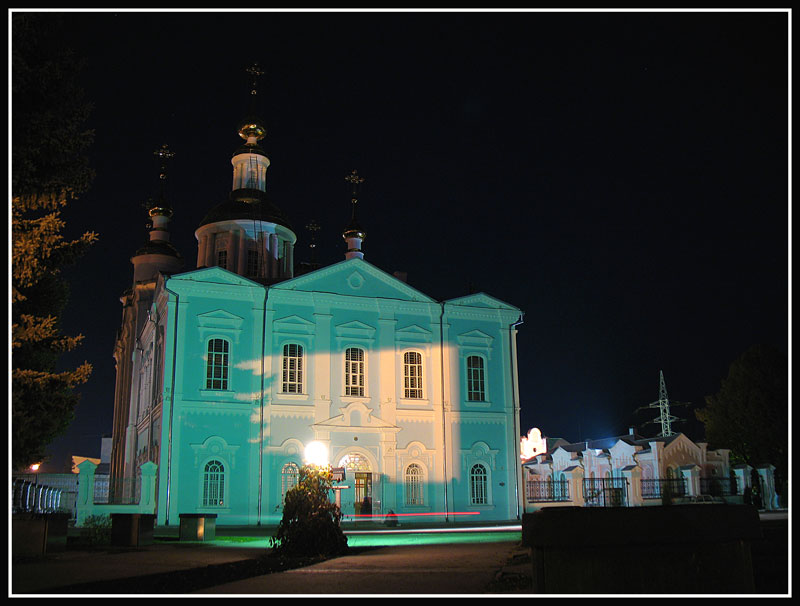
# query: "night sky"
x,y
621,177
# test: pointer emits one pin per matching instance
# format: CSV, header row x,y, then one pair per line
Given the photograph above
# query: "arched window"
x,y
478,494
213,484
292,368
217,364
412,374
354,372
476,384
414,477
289,477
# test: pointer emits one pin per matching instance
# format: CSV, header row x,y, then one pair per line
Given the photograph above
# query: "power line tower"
x,y
664,418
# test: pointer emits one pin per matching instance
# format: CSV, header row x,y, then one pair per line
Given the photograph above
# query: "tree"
x,y
310,522
49,170
749,414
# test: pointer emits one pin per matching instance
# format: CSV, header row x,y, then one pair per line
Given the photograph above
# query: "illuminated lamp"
x,y
316,453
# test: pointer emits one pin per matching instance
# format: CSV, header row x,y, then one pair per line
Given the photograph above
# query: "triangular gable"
x,y
354,277
366,419
293,324
679,441
219,318
481,300
475,338
215,275
414,334
355,329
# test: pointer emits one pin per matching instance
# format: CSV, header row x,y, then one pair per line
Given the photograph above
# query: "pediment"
x,y
354,277
219,318
214,275
475,338
413,333
481,300
293,324
356,416
355,329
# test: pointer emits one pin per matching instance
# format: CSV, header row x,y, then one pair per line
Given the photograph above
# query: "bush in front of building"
x,y
310,525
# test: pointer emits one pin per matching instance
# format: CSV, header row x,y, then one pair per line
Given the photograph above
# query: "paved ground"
x,y
461,567
465,568
495,565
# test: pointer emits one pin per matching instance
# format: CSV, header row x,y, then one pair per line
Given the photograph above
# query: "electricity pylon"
x,y
664,418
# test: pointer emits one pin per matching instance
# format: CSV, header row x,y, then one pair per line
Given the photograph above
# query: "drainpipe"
x,y
171,401
444,423
261,424
513,368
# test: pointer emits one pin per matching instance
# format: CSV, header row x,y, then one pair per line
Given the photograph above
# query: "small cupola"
x,y
353,234
158,254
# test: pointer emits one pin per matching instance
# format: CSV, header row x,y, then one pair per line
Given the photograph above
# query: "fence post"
x,y
633,475
767,475
691,473
575,475
147,495
85,502
742,473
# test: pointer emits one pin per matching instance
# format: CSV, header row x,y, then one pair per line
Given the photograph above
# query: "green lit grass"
x,y
430,538
386,539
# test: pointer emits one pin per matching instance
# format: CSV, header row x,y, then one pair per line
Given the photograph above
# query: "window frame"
x,y
211,365
482,391
479,480
289,470
414,485
409,378
360,389
217,480
300,371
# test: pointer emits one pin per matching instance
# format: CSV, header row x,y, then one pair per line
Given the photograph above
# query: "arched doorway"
x,y
359,501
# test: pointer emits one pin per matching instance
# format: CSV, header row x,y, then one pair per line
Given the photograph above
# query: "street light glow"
x,y
316,454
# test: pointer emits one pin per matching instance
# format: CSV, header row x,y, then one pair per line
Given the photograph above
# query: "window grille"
x,y
414,478
289,478
292,368
222,259
412,374
217,364
476,389
478,494
213,484
252,263
354,372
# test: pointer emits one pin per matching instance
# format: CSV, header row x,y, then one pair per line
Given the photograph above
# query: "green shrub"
x,y
97,530
310,522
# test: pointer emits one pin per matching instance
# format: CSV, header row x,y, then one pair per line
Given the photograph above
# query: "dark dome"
x,y
158,247
247,204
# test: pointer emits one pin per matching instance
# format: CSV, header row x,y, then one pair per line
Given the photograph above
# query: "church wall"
x,y
387,431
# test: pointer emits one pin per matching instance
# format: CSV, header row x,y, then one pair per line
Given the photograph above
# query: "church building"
x,y
227,372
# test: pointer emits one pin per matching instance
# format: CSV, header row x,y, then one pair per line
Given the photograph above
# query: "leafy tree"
x,y
49,170
310,522
750,412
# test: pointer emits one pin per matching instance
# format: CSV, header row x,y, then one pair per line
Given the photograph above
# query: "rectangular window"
x,y
412,374
292,368
354,372
222,259
476,390
252,263
217,364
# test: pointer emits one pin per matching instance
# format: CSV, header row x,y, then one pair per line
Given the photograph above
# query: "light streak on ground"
x,y
401,536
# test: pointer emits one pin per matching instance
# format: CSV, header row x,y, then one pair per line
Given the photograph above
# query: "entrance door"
x,y
363,497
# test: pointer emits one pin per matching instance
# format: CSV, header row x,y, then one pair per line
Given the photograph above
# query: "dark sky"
x,y
620,177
